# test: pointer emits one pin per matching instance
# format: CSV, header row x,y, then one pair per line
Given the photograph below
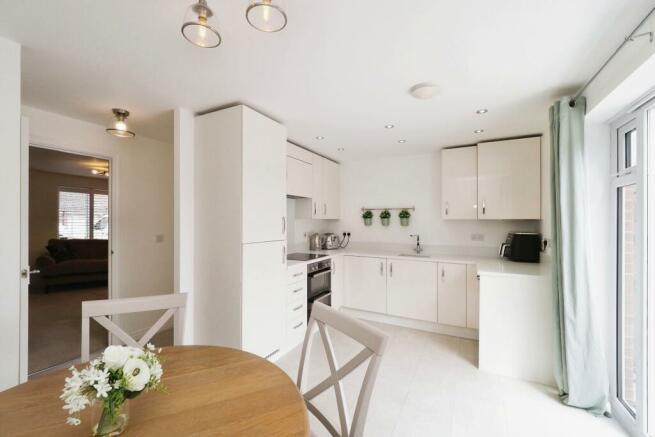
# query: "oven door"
x,y
325,299
318,282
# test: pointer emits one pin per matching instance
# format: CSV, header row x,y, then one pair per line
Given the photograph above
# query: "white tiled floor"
x,y
428,385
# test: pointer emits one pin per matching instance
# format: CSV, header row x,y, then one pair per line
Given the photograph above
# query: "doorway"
x,y
68,250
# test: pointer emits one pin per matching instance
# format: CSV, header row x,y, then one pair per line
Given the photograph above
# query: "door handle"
x,y
25,273
390,269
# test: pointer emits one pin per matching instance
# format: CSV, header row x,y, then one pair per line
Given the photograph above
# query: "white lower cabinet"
x,y
337,282
366,283
452,294
412,290
264,279
295,314
472,297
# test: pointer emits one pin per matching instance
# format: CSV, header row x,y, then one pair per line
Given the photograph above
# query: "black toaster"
x,y
524,247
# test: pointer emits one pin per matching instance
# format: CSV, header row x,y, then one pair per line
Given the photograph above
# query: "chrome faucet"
x,y
418,249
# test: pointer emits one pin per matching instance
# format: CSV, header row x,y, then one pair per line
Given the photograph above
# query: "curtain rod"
x,y
627,39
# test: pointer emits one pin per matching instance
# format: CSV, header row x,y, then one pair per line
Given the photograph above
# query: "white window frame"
x,y
92,192
621,177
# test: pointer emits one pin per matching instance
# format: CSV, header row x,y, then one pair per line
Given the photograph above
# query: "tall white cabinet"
x,y
240,230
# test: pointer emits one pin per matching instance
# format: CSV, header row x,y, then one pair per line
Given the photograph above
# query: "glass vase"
x,y
110,423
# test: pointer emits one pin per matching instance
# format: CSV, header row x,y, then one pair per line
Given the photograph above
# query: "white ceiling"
x,y
341,68
55,161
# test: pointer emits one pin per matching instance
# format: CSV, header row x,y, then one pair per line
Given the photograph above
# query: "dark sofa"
x,y
69,262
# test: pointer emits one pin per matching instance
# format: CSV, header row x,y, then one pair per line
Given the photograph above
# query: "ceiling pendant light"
x,y
265,16
197,28
119,124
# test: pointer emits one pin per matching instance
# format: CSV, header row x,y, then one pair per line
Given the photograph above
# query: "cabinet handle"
x,y
298,308
390,269
381,271
284,254
443,273
298,325
284,225
314,208
334,268
325,209
446,208
297,290
484,208
295,275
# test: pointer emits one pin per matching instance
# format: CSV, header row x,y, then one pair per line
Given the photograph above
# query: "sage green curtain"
x,y
580,366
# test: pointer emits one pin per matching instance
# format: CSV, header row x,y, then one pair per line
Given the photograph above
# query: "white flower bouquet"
x,y
122,373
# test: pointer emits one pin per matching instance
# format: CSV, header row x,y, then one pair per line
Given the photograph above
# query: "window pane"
x,y
627,377
74,214
630,144
100,216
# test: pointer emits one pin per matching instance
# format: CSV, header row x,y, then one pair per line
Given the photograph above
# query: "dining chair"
x,y
98,310
374,343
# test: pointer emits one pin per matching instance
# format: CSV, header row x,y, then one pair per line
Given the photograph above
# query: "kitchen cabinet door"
x,y
509,179
318,188
299,178
337,281
264,288
412,289
459,183
365,282
452,294
332,189
472,297
264,179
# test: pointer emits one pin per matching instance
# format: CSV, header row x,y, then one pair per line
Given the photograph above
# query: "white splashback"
x,y
403,181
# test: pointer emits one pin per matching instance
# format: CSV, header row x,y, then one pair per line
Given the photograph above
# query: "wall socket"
x,y
477,237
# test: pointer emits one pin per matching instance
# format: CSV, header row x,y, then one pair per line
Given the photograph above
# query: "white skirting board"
x,y
420,325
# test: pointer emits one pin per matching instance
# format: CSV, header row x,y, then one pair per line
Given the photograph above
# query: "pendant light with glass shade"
x,y
198,28
119,124
265,16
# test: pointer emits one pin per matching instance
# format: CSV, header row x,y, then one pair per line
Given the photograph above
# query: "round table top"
x,y
209,391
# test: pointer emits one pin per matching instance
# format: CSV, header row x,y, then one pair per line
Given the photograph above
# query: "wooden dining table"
x,y
210,391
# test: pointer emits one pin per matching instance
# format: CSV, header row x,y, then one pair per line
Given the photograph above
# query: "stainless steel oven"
x,y
319,283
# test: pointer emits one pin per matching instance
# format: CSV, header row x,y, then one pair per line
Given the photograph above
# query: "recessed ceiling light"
x,y
478,131
424,90
320,137
340,149
481,111
388,126
402,141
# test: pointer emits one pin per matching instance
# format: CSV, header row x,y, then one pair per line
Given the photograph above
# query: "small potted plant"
x,y
384,217
404,216
368,217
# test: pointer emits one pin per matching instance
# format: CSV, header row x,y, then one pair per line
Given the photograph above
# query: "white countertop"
x,y
486,264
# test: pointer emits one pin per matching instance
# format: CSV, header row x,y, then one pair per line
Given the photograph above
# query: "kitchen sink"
x,y
415,255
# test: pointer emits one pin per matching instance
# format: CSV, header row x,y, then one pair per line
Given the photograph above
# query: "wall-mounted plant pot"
x,y
368,221
385,221
404,221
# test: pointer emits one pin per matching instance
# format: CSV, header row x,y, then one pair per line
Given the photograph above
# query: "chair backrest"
x,y
374,343
100,309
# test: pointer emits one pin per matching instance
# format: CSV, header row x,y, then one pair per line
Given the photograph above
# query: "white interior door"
x,y
24,245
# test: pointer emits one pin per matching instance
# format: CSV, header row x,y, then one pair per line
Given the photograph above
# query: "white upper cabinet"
x,y
366,282
299,172
412,289
331,189
509,179
264,178
319,206
459,183
452,294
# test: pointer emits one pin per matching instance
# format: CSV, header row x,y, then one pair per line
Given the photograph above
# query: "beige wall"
x,y
142,202
44,205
